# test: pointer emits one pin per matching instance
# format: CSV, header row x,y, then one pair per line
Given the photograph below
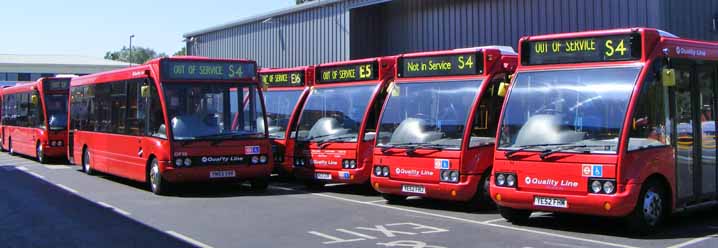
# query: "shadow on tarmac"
x,y
35,213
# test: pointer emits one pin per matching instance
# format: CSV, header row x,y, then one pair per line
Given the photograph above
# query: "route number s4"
x,y
611,49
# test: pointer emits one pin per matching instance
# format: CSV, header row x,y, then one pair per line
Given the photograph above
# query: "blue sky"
x,y
92,27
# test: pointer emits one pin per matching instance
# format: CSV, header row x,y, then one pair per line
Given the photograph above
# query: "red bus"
x,y
611,123
438,126
285,91
171,120
337,126
34,118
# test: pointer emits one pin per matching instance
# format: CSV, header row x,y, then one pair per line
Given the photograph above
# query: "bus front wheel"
x,y
39,155
651,209
158,185
86,164
515,216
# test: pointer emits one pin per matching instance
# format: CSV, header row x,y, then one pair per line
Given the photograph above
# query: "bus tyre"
x,y
515,216
482,199
393,199
86,164
651,209
158,185
10,150
39,155
260,184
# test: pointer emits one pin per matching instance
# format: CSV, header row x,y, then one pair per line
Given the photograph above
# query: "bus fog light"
x,y
596,186
500,179
187,162
178,162
510,180
385,171
609,187
263,159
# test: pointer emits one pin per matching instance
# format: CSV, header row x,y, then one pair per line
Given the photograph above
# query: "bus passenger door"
x,y
693,102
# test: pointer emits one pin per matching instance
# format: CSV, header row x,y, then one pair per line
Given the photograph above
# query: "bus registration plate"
x,y
222,174
323,176
550,202
416,189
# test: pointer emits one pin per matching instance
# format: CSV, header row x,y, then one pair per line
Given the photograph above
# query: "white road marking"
x,y
694,241
377,201
67,188
22,168
282,188
36,175
563,245
494,220
116,209
188,239
57,167
479,222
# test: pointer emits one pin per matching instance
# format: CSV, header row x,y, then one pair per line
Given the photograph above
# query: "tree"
x,y
139,55
181,52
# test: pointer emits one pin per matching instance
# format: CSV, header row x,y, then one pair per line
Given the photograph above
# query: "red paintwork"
x,y
118,154
629,169
335,152
286,146
25,139
471,162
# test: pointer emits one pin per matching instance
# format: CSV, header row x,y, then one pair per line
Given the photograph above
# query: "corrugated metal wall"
x,y
345,30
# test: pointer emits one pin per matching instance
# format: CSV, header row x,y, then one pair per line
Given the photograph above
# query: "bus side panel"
x,y
122,154
23,140
639,165
476,160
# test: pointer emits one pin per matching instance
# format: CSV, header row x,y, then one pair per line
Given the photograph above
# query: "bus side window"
x,y
372,119
486,114
135,108
157,127
648,122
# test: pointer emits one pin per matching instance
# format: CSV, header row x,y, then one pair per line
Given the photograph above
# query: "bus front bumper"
x,y
616,205
351,176
54,151
462,191
214,173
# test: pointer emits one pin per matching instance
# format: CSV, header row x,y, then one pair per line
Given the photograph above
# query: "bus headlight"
x,y
353,164
187,162
178,162
255,159
510,180
608,187
454,176
263,159
451,176
377,171
385,171
500,179
596,187
602,186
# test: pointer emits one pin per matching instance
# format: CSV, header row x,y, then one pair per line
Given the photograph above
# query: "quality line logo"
x,y
550,182
413,172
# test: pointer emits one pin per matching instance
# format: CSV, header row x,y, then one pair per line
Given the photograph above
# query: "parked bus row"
x,y
614,123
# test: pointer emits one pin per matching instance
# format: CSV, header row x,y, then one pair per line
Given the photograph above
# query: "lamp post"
x,y
131,36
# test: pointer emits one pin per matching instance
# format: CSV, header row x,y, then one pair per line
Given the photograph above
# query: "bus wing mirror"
x,y
33,99
503,87
145,91
668,77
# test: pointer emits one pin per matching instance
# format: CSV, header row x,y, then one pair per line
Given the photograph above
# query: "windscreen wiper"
x,y
510,153
326,142
385,148
544,154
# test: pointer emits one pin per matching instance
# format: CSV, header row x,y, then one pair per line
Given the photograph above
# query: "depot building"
x,y
16,68
335,30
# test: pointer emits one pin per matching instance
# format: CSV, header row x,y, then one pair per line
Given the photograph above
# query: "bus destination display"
x,y
206,70
347,73
449,65
589,49
283,79
56,84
